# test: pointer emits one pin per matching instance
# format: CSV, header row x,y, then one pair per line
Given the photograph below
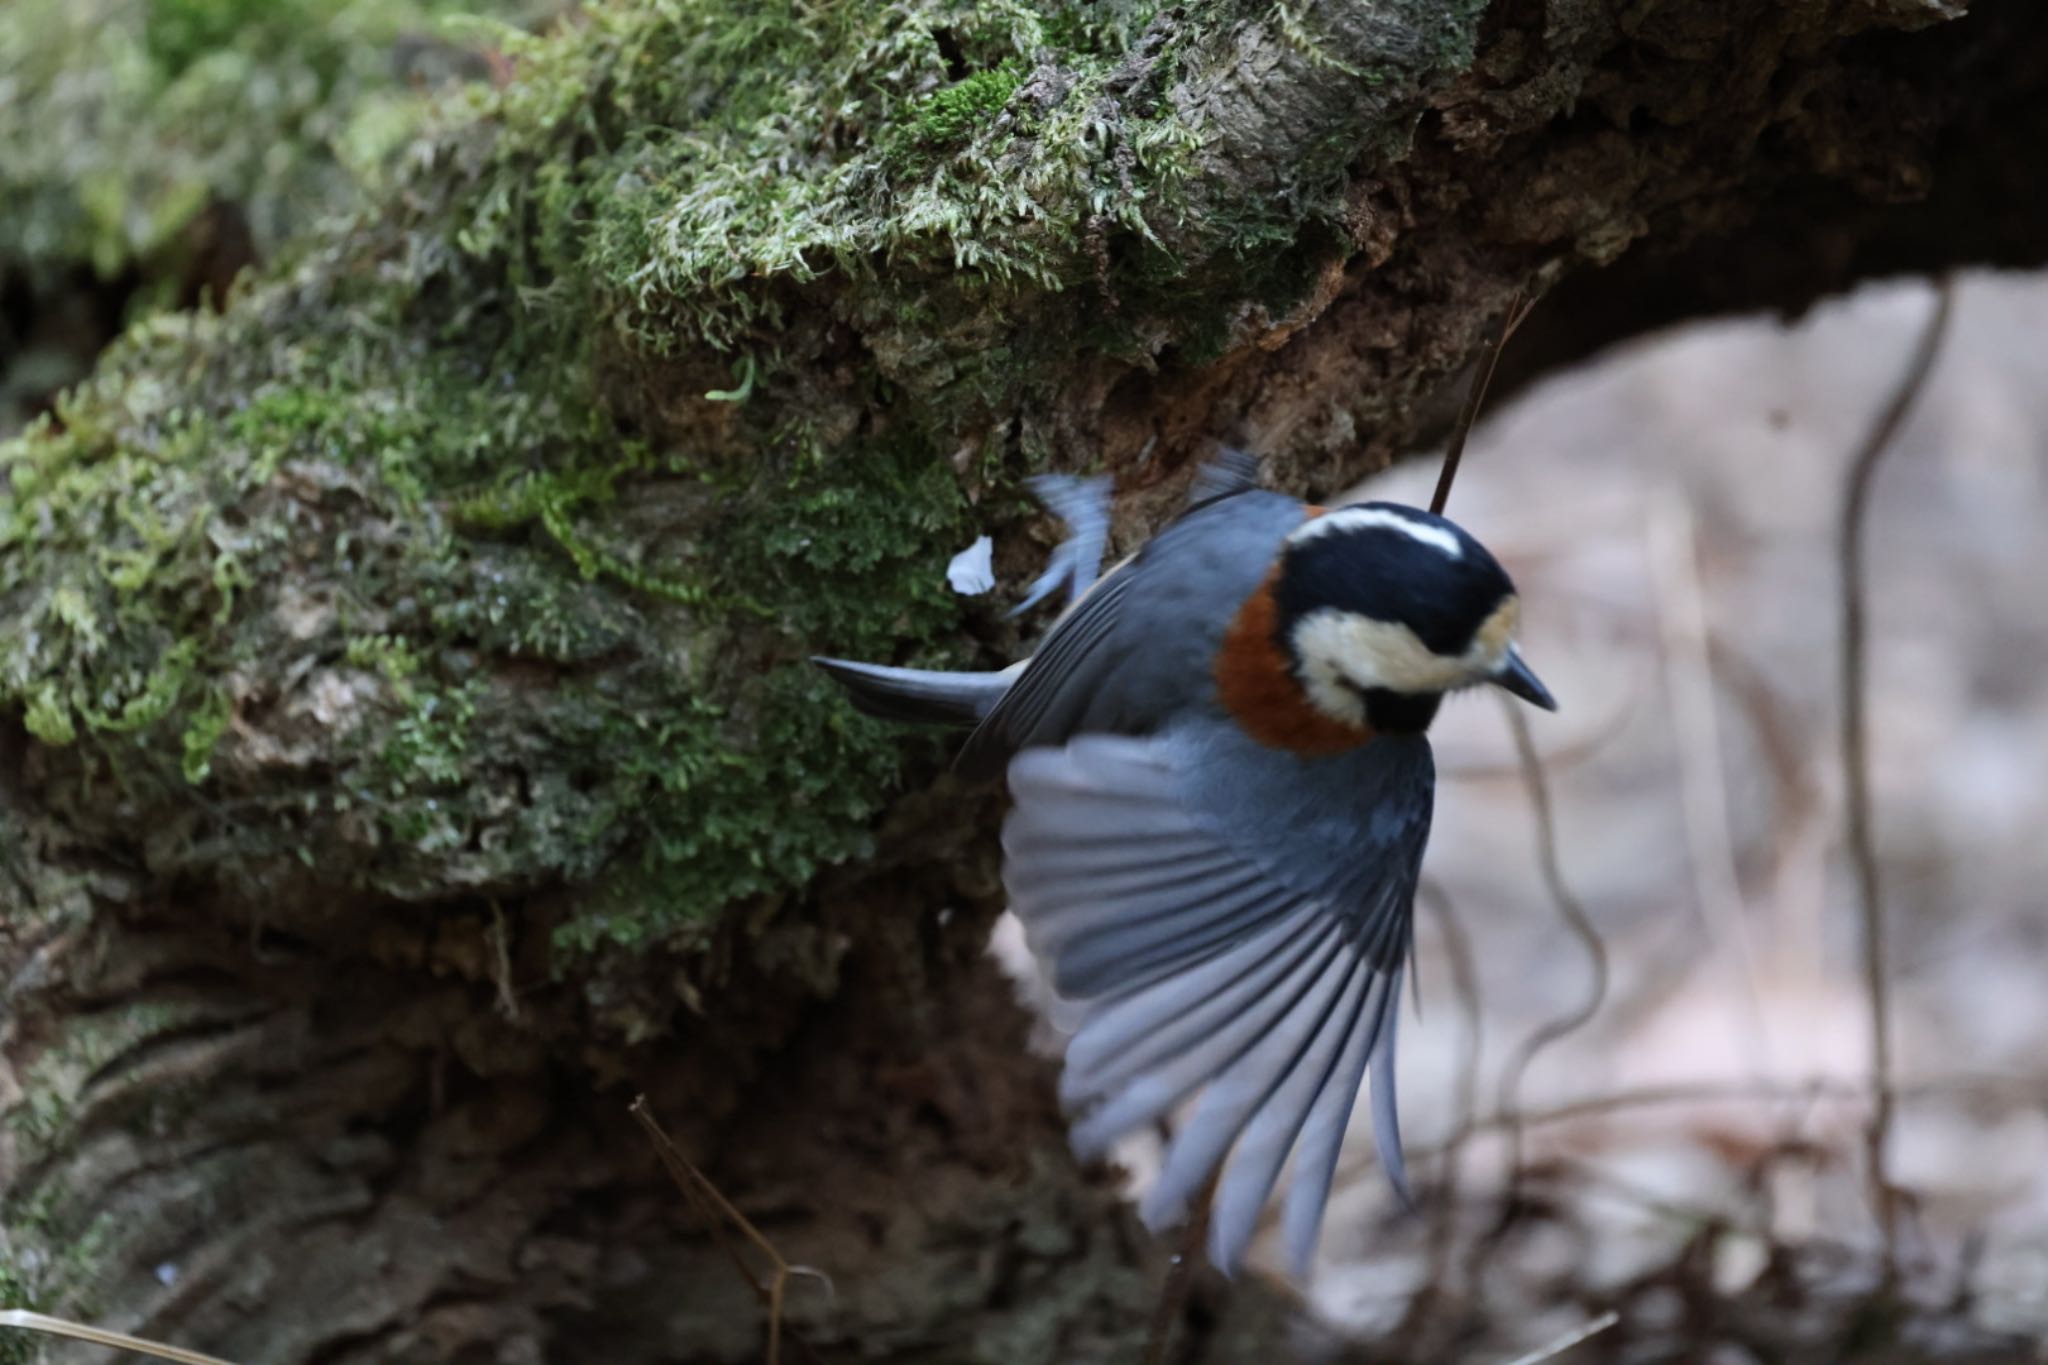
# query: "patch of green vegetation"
x,y
553,498
766,142
52,1085
17,1290
203,731
949,114
745,790
430,515
46,1266
480,550
123,120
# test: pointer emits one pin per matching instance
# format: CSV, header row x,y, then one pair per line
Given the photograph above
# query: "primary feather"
x,y
1235,920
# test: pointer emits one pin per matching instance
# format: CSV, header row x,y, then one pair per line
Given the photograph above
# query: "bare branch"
x,y
1575,918
1569,1340
1180,1277
717,1210
120,1341
1856,752
1518,309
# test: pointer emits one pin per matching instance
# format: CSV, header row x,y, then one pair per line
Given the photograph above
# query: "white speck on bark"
x,y
972,571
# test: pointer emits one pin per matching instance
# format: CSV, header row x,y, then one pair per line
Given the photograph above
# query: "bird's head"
x,y
1382,609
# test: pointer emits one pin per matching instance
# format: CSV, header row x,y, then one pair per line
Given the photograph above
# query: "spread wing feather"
x,y
1224,554
1274,1128
1322,1134
1206,967
1054,685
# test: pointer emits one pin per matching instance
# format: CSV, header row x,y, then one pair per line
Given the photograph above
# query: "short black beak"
x,y
1515,676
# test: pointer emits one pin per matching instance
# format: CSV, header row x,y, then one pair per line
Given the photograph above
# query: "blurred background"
x,y
1670,512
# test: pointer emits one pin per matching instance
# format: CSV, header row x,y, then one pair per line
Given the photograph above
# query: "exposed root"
x,y
120,1341
717,1211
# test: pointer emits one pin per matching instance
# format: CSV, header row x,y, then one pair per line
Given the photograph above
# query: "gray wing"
x,y
1237,920
1140,645
1056,683
1083,504
1233,471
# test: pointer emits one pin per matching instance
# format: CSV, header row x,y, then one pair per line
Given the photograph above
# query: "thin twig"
x,y
1572,753
2016,1088
1180,1277
717,1210
1856,754
500,936
1675,1094
1465,987
1795,864
1517,310
1443,1226
1702,781
120,1341
1575,918
1569,1340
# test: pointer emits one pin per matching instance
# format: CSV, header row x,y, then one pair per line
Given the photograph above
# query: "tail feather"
x,y
1230,473
920,696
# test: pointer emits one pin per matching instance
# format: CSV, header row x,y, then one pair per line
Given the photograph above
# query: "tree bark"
x,y
406,753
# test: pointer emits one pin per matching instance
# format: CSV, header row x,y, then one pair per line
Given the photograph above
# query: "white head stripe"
x,y
1356,518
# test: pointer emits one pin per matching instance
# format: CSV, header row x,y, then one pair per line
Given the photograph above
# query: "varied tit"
x,y
1222,789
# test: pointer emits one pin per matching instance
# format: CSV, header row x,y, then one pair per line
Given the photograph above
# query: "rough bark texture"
x,y
405,751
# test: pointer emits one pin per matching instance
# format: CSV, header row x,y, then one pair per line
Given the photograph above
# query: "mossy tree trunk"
x,y
405,750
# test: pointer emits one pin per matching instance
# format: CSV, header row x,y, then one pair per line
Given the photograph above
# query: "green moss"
x,y
480,549
203,731
47,1265
949,114
52,1085
767,142
122,120
554,498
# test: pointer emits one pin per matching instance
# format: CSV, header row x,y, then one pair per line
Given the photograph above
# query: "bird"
x,y
1221,787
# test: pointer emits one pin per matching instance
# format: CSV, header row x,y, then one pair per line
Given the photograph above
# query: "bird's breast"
x,y
1258,687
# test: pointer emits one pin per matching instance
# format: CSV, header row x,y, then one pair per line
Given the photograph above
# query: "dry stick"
x,y
1180,1277
1575,918
1856,756
1702,781
500,937
1569,1340
1465,986
716,1209
1676,1094
1572,754
2016,1088
1990,1087
1518,309
120,1341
